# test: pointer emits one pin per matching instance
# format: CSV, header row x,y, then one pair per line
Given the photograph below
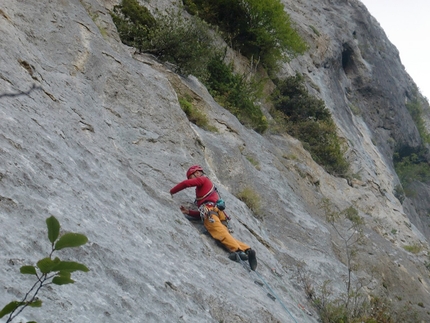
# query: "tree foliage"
x,y
186,43
257,28
235,93
133,23
47,270
189,45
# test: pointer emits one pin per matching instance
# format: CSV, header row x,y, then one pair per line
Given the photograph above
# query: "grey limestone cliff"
x,y
92,133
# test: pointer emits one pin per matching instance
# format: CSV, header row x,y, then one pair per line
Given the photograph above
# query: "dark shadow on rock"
x,y
33,88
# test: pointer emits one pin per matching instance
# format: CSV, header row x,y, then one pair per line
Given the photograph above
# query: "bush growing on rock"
x,y
133,23
185,43
357,304
416,111
411,166
307,119
235,93
189,45
259,29
412,163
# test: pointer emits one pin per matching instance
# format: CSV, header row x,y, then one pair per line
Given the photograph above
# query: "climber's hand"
x,y
184,210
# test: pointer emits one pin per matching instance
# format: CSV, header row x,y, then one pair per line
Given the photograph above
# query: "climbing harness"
x,y
262,283
220,203
209,209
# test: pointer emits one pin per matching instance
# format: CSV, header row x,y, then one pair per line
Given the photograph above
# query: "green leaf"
x,y
61,280
69,266
9,308
35,303
70,240
28,270
65,274
46,264
53,228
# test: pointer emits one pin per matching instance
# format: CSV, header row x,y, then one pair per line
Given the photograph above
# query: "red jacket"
x,y
205,191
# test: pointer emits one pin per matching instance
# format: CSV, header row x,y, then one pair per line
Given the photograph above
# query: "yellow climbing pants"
x,y
220,232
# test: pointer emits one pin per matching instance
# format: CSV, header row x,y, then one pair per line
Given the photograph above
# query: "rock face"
x,y
93,134
367,81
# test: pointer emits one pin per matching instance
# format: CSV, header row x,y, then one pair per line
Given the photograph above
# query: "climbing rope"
x,y
304,310
272,294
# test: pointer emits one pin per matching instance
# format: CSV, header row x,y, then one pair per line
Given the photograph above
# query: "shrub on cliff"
x,y
412,163
189,45
411,166
308,119
259,29
186,43
415,109
194,114
235,93
133,23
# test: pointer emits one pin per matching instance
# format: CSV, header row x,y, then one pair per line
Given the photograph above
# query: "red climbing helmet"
x,y
193,169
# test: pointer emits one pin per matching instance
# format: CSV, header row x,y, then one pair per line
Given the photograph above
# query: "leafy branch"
x,y
47,270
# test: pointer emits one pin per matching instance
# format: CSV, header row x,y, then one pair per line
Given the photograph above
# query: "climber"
x,y
206,199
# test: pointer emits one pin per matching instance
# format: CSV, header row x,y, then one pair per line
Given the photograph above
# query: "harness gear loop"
x,y
205,212
209,209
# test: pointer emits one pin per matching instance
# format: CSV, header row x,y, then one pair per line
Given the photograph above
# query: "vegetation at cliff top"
x,y
189,45
258,29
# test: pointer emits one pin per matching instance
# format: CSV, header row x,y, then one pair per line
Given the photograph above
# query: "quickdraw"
x,y
206,212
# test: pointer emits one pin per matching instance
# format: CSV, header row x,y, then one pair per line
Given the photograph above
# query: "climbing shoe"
x,y
252,258
243,256
234,256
